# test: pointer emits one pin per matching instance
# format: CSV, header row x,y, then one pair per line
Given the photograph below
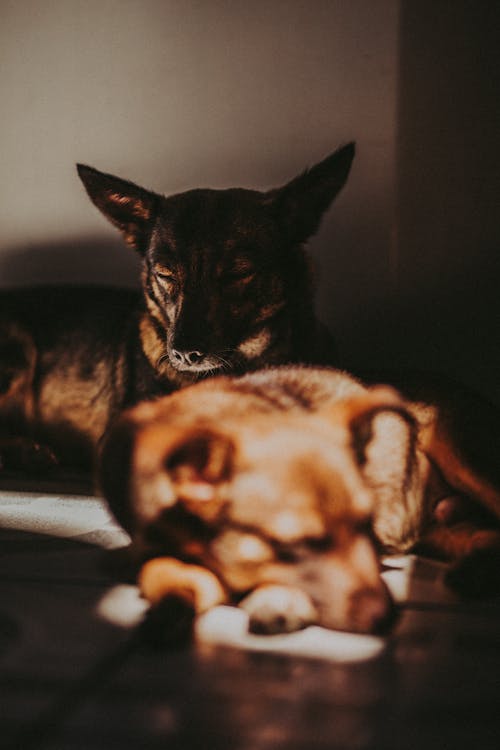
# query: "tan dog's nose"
x,y
346,587
373,610
362,610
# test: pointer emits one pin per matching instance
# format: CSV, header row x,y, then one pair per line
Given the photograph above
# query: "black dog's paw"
x,y
476,576
24,454
168,624
278,609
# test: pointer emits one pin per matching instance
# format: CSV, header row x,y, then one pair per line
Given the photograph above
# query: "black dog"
x,y
226,286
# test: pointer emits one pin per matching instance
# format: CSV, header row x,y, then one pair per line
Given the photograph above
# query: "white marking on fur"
x,y
286,526
255,346
253,549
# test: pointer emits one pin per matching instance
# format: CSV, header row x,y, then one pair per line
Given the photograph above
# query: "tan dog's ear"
x,y
198,462
147,467
357,414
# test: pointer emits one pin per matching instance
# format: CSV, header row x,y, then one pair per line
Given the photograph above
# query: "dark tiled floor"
x,y
75,671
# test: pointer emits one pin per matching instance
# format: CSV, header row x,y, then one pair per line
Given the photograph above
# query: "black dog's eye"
x,y
242,275
167,276
241,270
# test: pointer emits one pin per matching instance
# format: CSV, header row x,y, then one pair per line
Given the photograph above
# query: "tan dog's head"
x,y
276,498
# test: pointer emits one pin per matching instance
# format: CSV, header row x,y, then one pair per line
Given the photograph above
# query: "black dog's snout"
x,y
188,358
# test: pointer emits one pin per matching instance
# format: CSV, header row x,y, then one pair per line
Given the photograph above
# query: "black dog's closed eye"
x,y
241,270
165,276
239,276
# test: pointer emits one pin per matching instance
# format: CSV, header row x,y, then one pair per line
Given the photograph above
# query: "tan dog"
x,y
270,486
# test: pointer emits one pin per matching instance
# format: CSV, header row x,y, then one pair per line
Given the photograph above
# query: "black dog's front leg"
x,y
22,454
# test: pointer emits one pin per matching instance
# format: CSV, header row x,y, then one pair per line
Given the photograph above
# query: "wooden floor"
x,y
76,670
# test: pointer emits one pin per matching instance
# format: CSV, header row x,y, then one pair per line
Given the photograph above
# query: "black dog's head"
x,y
225,279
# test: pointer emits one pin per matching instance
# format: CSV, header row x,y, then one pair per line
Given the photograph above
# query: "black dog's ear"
x,y
127,206
302,202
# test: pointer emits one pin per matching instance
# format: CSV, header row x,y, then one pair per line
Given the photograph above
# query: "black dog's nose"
x,y
188,359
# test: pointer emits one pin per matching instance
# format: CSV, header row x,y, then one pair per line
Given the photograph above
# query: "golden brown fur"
x,y
280,478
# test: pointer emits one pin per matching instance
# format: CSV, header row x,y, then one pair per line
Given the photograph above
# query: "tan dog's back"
x,y
279,478
248,479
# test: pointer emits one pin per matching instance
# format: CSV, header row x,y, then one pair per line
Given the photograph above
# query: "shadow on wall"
x,y
447,324
77,260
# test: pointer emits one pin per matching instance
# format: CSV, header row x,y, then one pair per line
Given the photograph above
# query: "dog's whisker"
x,y
225,364
154,328
162,359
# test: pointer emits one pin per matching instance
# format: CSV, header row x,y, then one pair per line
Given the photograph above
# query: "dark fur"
x,y
226,286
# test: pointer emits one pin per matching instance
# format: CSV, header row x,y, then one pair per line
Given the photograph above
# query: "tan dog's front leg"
x,y
177,592
165,576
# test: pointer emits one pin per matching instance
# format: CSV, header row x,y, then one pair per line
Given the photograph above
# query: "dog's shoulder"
x,y
309,388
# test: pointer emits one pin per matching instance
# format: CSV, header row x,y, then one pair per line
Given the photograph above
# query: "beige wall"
x,y
176,94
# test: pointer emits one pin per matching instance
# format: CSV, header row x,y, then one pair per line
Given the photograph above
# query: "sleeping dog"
x,y
278,490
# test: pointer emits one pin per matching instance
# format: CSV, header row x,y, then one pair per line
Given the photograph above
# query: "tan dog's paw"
x,y
278,609
166,576
177,592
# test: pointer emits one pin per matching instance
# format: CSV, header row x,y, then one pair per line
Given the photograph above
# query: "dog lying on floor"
x,y
278,489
